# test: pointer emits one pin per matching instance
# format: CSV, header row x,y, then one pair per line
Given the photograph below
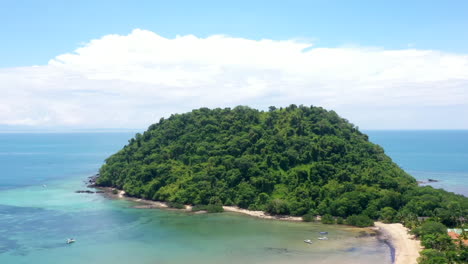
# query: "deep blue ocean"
x,y
39,208
438,154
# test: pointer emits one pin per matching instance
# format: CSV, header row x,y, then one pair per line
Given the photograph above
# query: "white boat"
x,y
308,241
323,238
70,240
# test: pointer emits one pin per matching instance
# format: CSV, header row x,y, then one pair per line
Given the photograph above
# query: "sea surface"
x,y
39,209
429,154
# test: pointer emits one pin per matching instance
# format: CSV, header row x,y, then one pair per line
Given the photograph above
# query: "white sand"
x,y
144,204
407,248
121,194
261,214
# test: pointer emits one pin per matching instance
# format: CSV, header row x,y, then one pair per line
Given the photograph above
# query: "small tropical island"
x,y
297,161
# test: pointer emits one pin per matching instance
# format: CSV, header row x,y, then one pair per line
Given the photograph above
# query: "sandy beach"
x,y
261,214
142,203
407,248
149,204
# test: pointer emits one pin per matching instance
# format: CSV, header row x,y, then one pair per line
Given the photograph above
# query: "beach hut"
x,y
455,235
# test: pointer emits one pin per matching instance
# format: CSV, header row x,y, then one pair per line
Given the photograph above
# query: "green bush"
x,y
198,207
438,241
430,227
359,220
176,205
340,220
210,208
431,256
308,217
327,219
277,207
387,214
214,208
229,202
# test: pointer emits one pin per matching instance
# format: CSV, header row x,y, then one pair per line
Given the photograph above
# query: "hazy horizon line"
x,y
137,130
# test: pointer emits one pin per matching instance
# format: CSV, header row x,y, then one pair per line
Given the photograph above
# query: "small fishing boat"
x,y
323,233
308,241
323,238
70,240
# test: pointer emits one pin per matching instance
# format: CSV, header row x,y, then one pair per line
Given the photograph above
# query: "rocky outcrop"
x,y
91,181
84,191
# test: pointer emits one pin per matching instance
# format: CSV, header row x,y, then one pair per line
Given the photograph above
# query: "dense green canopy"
x,y
293,160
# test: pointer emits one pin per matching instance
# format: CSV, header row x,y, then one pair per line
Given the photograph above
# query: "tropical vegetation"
x,y
297,160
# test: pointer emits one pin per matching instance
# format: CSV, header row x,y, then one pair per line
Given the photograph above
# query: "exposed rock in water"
x,y
84,191
278,250
92,180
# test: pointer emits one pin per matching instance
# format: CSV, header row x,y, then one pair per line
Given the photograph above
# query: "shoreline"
x,y
150,204
405,246
144,203
261,214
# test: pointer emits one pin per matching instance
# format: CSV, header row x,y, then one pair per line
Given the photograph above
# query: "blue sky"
x,y
124,64
36,31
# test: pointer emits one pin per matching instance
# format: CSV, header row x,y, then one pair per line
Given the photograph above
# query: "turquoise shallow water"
x,y
35,220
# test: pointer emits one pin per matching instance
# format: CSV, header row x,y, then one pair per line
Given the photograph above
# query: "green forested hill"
x,y
293,160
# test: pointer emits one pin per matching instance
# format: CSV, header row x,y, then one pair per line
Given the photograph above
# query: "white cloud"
x,y
133,80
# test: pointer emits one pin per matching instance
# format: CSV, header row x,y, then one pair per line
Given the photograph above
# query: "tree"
x,y
327,219
431,256
437,241
309,217
340,220
359,220
430,227
245,195
388,214
277,207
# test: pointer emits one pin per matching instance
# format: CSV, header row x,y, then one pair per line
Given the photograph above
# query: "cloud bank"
x,y
131,81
